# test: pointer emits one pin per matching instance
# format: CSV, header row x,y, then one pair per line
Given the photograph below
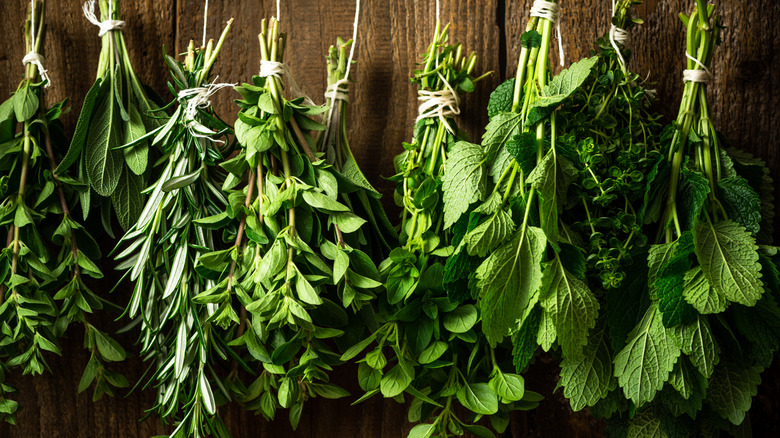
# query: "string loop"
x,y
440,104
33,57
106,25
703,76
198,98
550,11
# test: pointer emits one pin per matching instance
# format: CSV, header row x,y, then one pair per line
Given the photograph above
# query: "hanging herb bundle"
x,y
358,193
180,335
290,269
530,274
116,111
429,345
700,322
46,254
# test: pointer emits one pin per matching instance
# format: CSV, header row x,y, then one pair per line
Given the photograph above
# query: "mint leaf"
x,y
643,365
760,324
489,234
464,180
626,305
731,390
523,148
691,196
509,281
478,398
570,304
501,98
524,340
699,294
741,202
729,260
559,89
671,281
552,177
587,378
502,127
685,379
531,39
697,341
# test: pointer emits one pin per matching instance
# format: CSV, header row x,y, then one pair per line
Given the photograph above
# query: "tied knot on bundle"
x,y
703,75
550,11
106,25
199,98
439,103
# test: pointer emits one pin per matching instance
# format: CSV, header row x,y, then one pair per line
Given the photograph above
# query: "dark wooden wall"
x,y
391,35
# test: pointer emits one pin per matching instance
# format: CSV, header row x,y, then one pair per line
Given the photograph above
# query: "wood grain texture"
x,y
391,36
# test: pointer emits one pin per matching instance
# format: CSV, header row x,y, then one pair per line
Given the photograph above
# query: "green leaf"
x,y
509,281
699,294
697,341
109,349
501,128
127,199
489,234
461,319
422,431
530,39
670,283
643,365
552,177
464,180
570,304
731,390
587,378
729,260
478,398
691,196
433,352
104,165
523,148
329,390
501,98
507,386
741,202
25,103
357,348
645,424
559,89
136,156
524,340
395,382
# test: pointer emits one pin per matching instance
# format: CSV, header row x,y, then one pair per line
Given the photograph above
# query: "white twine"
x,y
334,91
33,57
618,35
549,11
205,21
279,70
278,14
198,98
440,104
106,25
438,11
704,75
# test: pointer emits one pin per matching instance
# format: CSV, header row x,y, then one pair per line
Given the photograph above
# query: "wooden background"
x,y
391,35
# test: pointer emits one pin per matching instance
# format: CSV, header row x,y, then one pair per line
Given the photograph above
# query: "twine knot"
x,y
104,26
440,104
550,11
703,76
37,60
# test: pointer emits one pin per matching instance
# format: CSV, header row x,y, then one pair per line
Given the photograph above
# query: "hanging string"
x,y
198,98
704,75
438,12
335,92
618,35
439,103
549,11
205,21
33,57
106,25
278,13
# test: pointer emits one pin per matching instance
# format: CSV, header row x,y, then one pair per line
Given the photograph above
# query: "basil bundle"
x,y
116,111
290,269
181,335
47,254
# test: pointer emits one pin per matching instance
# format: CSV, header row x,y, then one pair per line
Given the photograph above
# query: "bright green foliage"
x,y
644,364
463,182
587,377
731,389
47,257
179,333
116,112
